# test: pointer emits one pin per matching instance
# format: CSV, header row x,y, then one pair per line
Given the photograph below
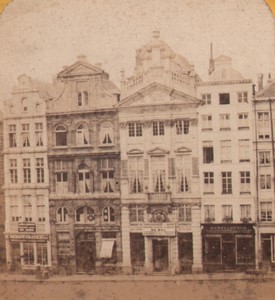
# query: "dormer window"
x,y
24,105
82,93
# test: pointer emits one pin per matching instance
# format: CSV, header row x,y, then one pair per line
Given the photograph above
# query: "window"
x,y
39,134
225,151
106,134
84,215
26,170
27,208
28,253
245,212
134,129
242,97
108,214
107,175
26,135
243,121
84,179
245,182
82,135
24,104
136,213
136,174
61,177
245,249
182,127
266,211
206,98
226,183
227,213
225,122
14,209
158,128
244,150
264,157
60,136
206,122
209,213
213,249
82,93
41,208
263,125
208,152
62,215
183,173
224,98
185,213
42,257
158,164
12,136
40,178
265,182
208,182
13,171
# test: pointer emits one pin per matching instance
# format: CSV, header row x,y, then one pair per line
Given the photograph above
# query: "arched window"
x,y
82,135
60,136
108,214
85,184
84,214
62,215
106,134
24,104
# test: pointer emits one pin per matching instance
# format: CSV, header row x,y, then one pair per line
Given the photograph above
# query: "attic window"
x,y
82,93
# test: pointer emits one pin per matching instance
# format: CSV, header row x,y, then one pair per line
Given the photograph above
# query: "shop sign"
x,y
164,229
184,228
26,227
136,227
28,236
236,228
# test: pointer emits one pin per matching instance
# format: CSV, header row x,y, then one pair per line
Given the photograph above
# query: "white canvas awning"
x,y
106,248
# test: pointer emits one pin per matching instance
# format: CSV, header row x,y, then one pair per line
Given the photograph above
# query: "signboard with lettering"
x,y
234,228
163,229
29,237
26,227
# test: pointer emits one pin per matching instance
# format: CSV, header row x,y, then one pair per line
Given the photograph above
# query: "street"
x,y
139,290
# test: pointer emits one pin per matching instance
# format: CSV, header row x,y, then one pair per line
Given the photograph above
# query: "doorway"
x,y
266,249
228,251
160,255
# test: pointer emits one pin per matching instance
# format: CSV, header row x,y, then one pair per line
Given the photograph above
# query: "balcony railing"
x,y
163,197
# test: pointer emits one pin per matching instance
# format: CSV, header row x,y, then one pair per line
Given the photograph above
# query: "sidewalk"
x,y
119,278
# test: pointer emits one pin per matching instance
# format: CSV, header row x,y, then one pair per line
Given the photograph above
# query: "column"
x,y
197,240
125,228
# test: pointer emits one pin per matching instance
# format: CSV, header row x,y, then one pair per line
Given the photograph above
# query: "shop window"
x,y
82,135
107,175
243,121
60,136
84,215
26,170
61,175
266,211
13,171
227,213
245,249
108,214
39,134
42,255
136,213
245,212
134,129
226,182
242,97
224,98
225,122
28,253
40,174
25,135
264,157
106,134
182,127
12,136
265,181
158,128
158,165
85,180
185,213
208,152
137,249
209,213
206,98
213,249
27,207
226,151
244,182
263,125
208,186
206,122
62,215
136,166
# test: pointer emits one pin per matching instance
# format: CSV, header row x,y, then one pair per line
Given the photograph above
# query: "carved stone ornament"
x,y
147,124
123,125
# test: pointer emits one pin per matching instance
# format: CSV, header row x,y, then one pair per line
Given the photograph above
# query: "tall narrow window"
x,y
265,181
159,173
82,135
182,127
242,97
227,213
206,98
40,176
243,121
158,128
206,122
27,208
107,175
209,213
225,151
208,182
62,215
42,256
225,122
185,213
208,152
263,125
183,173
28,253
136,213
245,212
134,129
25,135
61,173
106,134
26,170
264,157
244,150
60,136
266,211
82,93
13,171
136,165
12,136
14,209
245,182
39,134
108,214
226,183
84,180
84,215
41,208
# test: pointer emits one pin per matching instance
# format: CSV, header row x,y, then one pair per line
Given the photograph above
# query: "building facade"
x,y
2,200
84,171
160,198
27,230
227,180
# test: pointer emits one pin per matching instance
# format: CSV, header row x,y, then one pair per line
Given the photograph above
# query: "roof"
x,y
268,91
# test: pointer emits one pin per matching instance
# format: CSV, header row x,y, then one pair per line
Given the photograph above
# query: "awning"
x,y
106,248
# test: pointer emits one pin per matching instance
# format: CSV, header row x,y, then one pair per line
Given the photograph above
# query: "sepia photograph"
x,y
137,149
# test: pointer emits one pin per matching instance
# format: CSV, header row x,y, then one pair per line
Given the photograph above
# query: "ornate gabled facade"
x,y
27,229
228,212
84,171
160,197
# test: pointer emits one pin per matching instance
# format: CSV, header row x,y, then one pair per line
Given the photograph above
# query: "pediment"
x,y
135,152
80,68
183,150
158,151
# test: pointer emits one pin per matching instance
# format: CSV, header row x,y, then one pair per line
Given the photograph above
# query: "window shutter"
x,y
146,168
171,167
195,166
124,168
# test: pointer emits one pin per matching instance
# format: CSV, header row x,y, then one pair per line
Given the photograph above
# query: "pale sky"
x,y
39,37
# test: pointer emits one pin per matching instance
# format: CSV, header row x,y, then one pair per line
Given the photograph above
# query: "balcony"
x,y
162,197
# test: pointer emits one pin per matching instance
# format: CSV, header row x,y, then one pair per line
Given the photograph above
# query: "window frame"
x,y
224,98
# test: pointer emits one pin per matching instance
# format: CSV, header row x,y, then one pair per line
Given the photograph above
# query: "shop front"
x,y
228,247
267,249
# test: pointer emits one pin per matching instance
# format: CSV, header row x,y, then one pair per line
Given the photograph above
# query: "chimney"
x,y
260,81
211,61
